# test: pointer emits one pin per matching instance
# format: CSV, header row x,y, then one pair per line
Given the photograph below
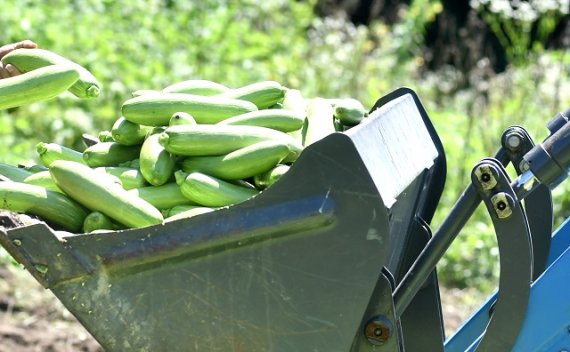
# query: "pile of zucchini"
x,y
190,148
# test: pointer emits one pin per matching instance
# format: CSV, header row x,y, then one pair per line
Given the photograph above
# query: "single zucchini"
x,y
189,213
263,94
203,140
53,207
156,130
211,191
105,136
156,163
110,154
338,126
243,183
97,221
38,85
157,109
266,179
181,118
162,197
129,133
242,163
196,87
319,122
129,177
277,119
14,173
49,152
177,209
27,60
138,93
135,164
295,101
349,111
42,178
33,168
97,193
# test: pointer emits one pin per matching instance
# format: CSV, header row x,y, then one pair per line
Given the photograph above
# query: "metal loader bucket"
x,y
292,269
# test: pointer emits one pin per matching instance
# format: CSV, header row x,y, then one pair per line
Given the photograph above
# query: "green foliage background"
x,y
148,44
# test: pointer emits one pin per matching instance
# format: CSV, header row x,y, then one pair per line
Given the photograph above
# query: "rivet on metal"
x,y
513,141
485,177
524,165
501,205
378,330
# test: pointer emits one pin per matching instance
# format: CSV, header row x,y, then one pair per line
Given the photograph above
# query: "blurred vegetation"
x,y
148,44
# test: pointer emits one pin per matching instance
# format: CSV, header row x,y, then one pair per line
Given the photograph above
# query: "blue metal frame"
x,y
547,323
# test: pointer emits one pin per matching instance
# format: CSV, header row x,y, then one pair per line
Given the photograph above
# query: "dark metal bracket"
x,y
516,143
492,183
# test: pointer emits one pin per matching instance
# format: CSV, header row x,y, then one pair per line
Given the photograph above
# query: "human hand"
x,y
10,70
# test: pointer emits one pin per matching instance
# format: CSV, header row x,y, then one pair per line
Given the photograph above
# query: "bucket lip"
x,y
435,183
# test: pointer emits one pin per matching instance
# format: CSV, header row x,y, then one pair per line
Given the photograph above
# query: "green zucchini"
x,y
110,154
14,173
266,179
33,168
263,94
157,109
188,213
177,209
42,178
52,207
162,197
105,136
196,87
138,93
128,177
38,85
156,163
242,163
129,133
278,119
97,221
27,60
210,191
348,111
135,164
181,118
320,121
97,193
295,101
243,183
203,140
49,152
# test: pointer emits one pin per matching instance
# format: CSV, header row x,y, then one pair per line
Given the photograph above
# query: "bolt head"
x,y
378,330
524,165
486,177
514,141
502,205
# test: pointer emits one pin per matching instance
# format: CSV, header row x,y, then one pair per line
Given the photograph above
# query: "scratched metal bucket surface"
x,y
292,269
